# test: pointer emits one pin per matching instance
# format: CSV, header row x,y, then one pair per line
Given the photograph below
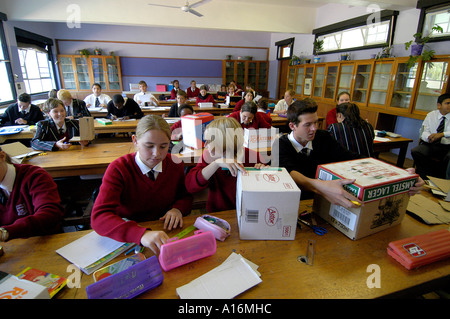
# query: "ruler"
x,y
185,231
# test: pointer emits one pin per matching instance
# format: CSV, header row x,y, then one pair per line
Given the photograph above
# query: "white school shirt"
x,y
137,95
102,98
145,169
298,147
431,123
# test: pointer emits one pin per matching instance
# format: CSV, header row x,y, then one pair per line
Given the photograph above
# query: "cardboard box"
x,y
11,287
161,88
263,137
193,126
267,203
382,188
86,128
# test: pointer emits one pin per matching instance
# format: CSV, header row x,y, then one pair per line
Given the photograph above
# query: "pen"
x,y
356,203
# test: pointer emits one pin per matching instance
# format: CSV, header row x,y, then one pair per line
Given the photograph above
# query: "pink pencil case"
x,y
219,227
177,252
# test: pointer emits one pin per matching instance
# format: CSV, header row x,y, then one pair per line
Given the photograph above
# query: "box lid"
x,y
270,179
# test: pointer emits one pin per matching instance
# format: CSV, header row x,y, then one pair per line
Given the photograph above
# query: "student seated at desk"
x,y
248,97
204,96
283,104
248,117
177,132
144,98
352,131
123,108
224,149
29,201
75,108
343,97
97,98
221,95
181,99
263,109
146,185
22,112
55,133
232,90
237,88
306,147
174,92
193,91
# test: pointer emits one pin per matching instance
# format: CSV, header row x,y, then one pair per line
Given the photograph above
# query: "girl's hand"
x,y
172,219
154,240
259,166
233,166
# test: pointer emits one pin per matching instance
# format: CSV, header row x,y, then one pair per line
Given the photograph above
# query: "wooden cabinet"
x,y
245,72
78,73
386,86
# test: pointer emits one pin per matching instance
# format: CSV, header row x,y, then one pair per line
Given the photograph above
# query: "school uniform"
x,y
138,97
221,185
266,116
356,139
48,133
192,93
282,105
95,101
127,192
32,115
238,105
77,109
204,99
173,94
130,108
259,121
31,203
331,117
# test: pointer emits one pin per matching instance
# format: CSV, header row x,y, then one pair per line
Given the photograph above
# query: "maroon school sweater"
x,y
34,206
222,185
127,193
259,121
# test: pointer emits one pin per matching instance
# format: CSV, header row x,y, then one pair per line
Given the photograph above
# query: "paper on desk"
x,y
18,151
381,139
234,276
428,210
88,249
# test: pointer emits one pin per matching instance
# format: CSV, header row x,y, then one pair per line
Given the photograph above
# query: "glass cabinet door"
x,y
98,71
345,78
331,81
240,74
262,76
318,81
68,74
380,83
299,81
433,83
229,72
113,73
307,88
290,80
82,73
251,74
404,81
361,84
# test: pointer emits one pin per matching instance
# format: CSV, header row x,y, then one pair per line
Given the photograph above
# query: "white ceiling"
x,y
286,16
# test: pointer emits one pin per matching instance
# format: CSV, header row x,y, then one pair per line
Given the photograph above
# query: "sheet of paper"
x,y
234,276
18,150
88,249
381,139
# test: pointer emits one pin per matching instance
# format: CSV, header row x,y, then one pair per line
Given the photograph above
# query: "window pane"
x,y
36,70
5,86
440,17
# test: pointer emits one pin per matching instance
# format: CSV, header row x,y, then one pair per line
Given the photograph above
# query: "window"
x,y
439,16
285,49
36,70
7,91
358,33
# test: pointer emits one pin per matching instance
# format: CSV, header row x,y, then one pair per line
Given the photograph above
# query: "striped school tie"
x,y
441,126
97,102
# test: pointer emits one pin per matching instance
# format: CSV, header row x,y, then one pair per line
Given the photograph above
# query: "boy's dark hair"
x,y
25,97
185,106
181,93
142,82
96,84
262,103
118,98
443,97
249,107
298,108
351,114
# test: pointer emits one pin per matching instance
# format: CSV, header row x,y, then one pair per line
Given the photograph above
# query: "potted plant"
x,y
384,53
85,53
98,51
419,50
248,57
295,60
318,47
345,56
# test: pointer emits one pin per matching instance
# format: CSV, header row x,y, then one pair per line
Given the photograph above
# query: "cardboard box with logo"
x,y
267,203
193,126
382,188
259,138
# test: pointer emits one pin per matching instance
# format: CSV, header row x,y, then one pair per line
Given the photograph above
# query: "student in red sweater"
x,y
29,201
176,87
146,185
248,97
193,91
177,132
204,96
248,117
343,97
224,149
263,109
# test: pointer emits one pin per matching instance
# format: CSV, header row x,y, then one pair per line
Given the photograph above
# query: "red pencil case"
x,y
421,250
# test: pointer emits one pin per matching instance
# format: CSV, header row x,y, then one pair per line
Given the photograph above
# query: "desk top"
x,y
339,269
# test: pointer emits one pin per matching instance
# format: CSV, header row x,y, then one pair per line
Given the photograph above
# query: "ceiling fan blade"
x,y
198,14
161,5
198,3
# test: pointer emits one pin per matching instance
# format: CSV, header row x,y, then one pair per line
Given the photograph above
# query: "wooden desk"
x,y
92,159
339,269
165,110
398,142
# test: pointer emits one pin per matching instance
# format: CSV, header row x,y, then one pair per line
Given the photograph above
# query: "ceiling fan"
x,y
186,8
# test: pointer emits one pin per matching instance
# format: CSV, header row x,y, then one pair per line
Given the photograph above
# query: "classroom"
x,y
285,51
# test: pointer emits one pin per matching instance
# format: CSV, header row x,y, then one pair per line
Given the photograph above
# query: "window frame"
x,y
49,67
385,15
283,44
430,5
7,61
